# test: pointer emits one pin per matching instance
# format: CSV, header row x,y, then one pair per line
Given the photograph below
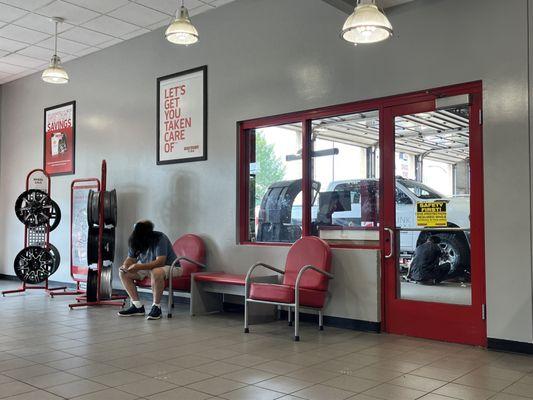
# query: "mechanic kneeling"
x,y
150,254
426,267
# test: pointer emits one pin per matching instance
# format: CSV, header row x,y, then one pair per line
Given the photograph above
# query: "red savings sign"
x,y
59,139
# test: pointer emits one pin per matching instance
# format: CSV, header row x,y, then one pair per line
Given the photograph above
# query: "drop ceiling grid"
x,y
26,33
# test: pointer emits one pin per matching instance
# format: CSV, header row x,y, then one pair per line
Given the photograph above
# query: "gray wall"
x,y
272,57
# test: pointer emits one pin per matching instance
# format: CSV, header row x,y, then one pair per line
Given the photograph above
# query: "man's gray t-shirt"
x,y
161,246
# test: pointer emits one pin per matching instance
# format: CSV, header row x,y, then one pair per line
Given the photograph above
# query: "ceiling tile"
x,y
110,43
72,14
201,9
68,46
22,34
41,24
88,50
40,53
84,36
159,24
133,34
11,45
111,26
28,4
218,3
8,13
103,6
22,61
138,15
10,68
3,53
168,6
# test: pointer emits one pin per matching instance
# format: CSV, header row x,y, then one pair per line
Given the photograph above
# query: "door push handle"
x,y
391,235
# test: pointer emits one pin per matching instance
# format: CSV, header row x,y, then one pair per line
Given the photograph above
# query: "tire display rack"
x,y
40,235
76,271
79,190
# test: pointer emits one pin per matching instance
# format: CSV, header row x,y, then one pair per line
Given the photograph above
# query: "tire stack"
x,y
40,214
108,243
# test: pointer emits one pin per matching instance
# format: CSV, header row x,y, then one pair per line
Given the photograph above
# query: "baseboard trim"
x,y
510,345
340,322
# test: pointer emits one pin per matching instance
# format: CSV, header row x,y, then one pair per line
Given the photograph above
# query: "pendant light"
x,y
181,30
367,24
55,73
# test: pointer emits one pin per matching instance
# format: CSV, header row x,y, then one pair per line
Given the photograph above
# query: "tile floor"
x,y
48,352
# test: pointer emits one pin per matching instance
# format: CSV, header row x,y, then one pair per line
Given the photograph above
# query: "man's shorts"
x,y
145,273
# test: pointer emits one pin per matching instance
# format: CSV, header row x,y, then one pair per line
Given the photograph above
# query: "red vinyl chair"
x,y
305,282
190,250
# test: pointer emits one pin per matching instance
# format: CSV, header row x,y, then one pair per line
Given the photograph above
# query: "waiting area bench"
x,y
209,288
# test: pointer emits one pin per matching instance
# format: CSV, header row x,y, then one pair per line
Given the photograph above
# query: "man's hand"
x,y
131,268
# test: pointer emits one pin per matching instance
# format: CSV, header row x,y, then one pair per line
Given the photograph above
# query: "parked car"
x,y
409,192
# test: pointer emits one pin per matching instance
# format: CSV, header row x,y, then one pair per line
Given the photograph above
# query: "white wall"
x,y
272,57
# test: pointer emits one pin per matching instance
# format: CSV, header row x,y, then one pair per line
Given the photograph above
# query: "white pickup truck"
x,y
456,244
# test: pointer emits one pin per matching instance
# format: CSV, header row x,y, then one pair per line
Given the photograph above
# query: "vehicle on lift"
x,y
279,219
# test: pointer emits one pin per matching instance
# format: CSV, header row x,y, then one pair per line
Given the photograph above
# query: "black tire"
x,y
458,250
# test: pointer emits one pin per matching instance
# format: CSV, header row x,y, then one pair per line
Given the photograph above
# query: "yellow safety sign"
x,y
431,213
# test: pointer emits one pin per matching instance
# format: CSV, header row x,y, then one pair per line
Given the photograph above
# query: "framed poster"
x,y
60,139
182,117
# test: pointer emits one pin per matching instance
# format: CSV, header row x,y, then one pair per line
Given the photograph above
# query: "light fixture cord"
x,y
55,41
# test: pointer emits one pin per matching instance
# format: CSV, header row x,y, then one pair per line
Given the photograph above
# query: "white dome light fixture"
x,y
181,30
55,73
367,24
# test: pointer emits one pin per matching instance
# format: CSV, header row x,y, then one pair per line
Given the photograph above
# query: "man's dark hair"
x,y
434,239
142,237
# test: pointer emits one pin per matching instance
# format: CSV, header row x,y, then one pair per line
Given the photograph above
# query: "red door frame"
x,y
447,322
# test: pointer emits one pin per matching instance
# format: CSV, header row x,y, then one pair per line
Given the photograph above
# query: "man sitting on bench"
x,y
150,254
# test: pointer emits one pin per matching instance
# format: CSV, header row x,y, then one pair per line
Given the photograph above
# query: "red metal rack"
x,y
38,236
82,300
78,272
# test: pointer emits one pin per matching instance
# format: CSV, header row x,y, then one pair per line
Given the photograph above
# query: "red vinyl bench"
x,y
209,288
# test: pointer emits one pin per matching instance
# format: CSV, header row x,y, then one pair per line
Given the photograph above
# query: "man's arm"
x,y
160,261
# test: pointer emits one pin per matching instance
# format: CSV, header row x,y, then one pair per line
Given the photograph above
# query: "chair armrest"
x,y
177,261
307,268
249,275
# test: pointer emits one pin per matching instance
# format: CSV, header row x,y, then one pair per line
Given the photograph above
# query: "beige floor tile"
x,y
520,389
484,382
418,382
376,374
14,363
45,381
321,392
146,387
249,375
393,392
441,374
395,365
189,361
14,388
313,374
216,386
464,392
507,396
500,373
118,378
246,360
108,394
180,393
217,368
29,372
5,379
433,396
284,384
69,363
252,393
35,395
76,388
278,367
351,383
184,377
93,370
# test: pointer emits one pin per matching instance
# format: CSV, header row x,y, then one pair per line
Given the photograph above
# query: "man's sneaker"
x,y
155,313
132,312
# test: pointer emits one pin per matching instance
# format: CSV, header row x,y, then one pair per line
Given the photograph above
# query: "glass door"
x,y
433,219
